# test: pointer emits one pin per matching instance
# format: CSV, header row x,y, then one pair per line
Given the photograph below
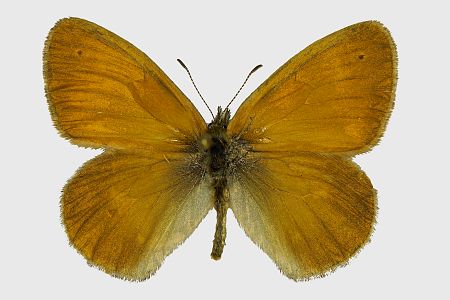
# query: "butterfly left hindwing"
x,y
125,212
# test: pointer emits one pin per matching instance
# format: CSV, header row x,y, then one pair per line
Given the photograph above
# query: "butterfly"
x,y
282,164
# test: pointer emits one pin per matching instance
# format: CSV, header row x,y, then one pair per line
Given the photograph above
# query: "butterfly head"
x,y
217,131
220,121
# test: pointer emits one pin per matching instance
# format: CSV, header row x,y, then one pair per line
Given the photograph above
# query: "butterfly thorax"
x,y
215,144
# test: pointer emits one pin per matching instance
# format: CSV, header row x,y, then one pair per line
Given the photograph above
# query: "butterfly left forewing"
x,y
310,213
103,92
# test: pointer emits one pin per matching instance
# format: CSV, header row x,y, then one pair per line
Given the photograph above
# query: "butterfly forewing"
x,y
104,92
333,97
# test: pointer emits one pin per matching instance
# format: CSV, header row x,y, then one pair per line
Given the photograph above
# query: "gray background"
x,y
408,256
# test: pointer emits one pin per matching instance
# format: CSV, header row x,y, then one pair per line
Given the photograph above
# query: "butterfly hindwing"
x,y
125,212
310,213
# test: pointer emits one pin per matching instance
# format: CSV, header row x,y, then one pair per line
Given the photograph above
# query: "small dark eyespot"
x,y
361,56
79,52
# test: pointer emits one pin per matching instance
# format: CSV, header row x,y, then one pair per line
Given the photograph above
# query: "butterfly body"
x,y
221,155
283,164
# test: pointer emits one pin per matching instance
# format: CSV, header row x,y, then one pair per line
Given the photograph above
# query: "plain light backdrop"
x,y
221,43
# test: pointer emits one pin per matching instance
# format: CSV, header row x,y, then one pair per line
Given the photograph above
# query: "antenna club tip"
x,y
256,68
245,81
181,63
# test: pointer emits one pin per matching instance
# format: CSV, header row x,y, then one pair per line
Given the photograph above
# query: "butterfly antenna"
x,y
192,80
245,81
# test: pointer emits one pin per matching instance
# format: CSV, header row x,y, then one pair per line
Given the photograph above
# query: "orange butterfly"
x,y
282,163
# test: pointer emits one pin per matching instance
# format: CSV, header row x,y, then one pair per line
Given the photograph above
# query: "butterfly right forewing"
x,y
333,97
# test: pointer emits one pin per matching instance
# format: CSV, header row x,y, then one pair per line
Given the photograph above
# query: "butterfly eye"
x,y
206,142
